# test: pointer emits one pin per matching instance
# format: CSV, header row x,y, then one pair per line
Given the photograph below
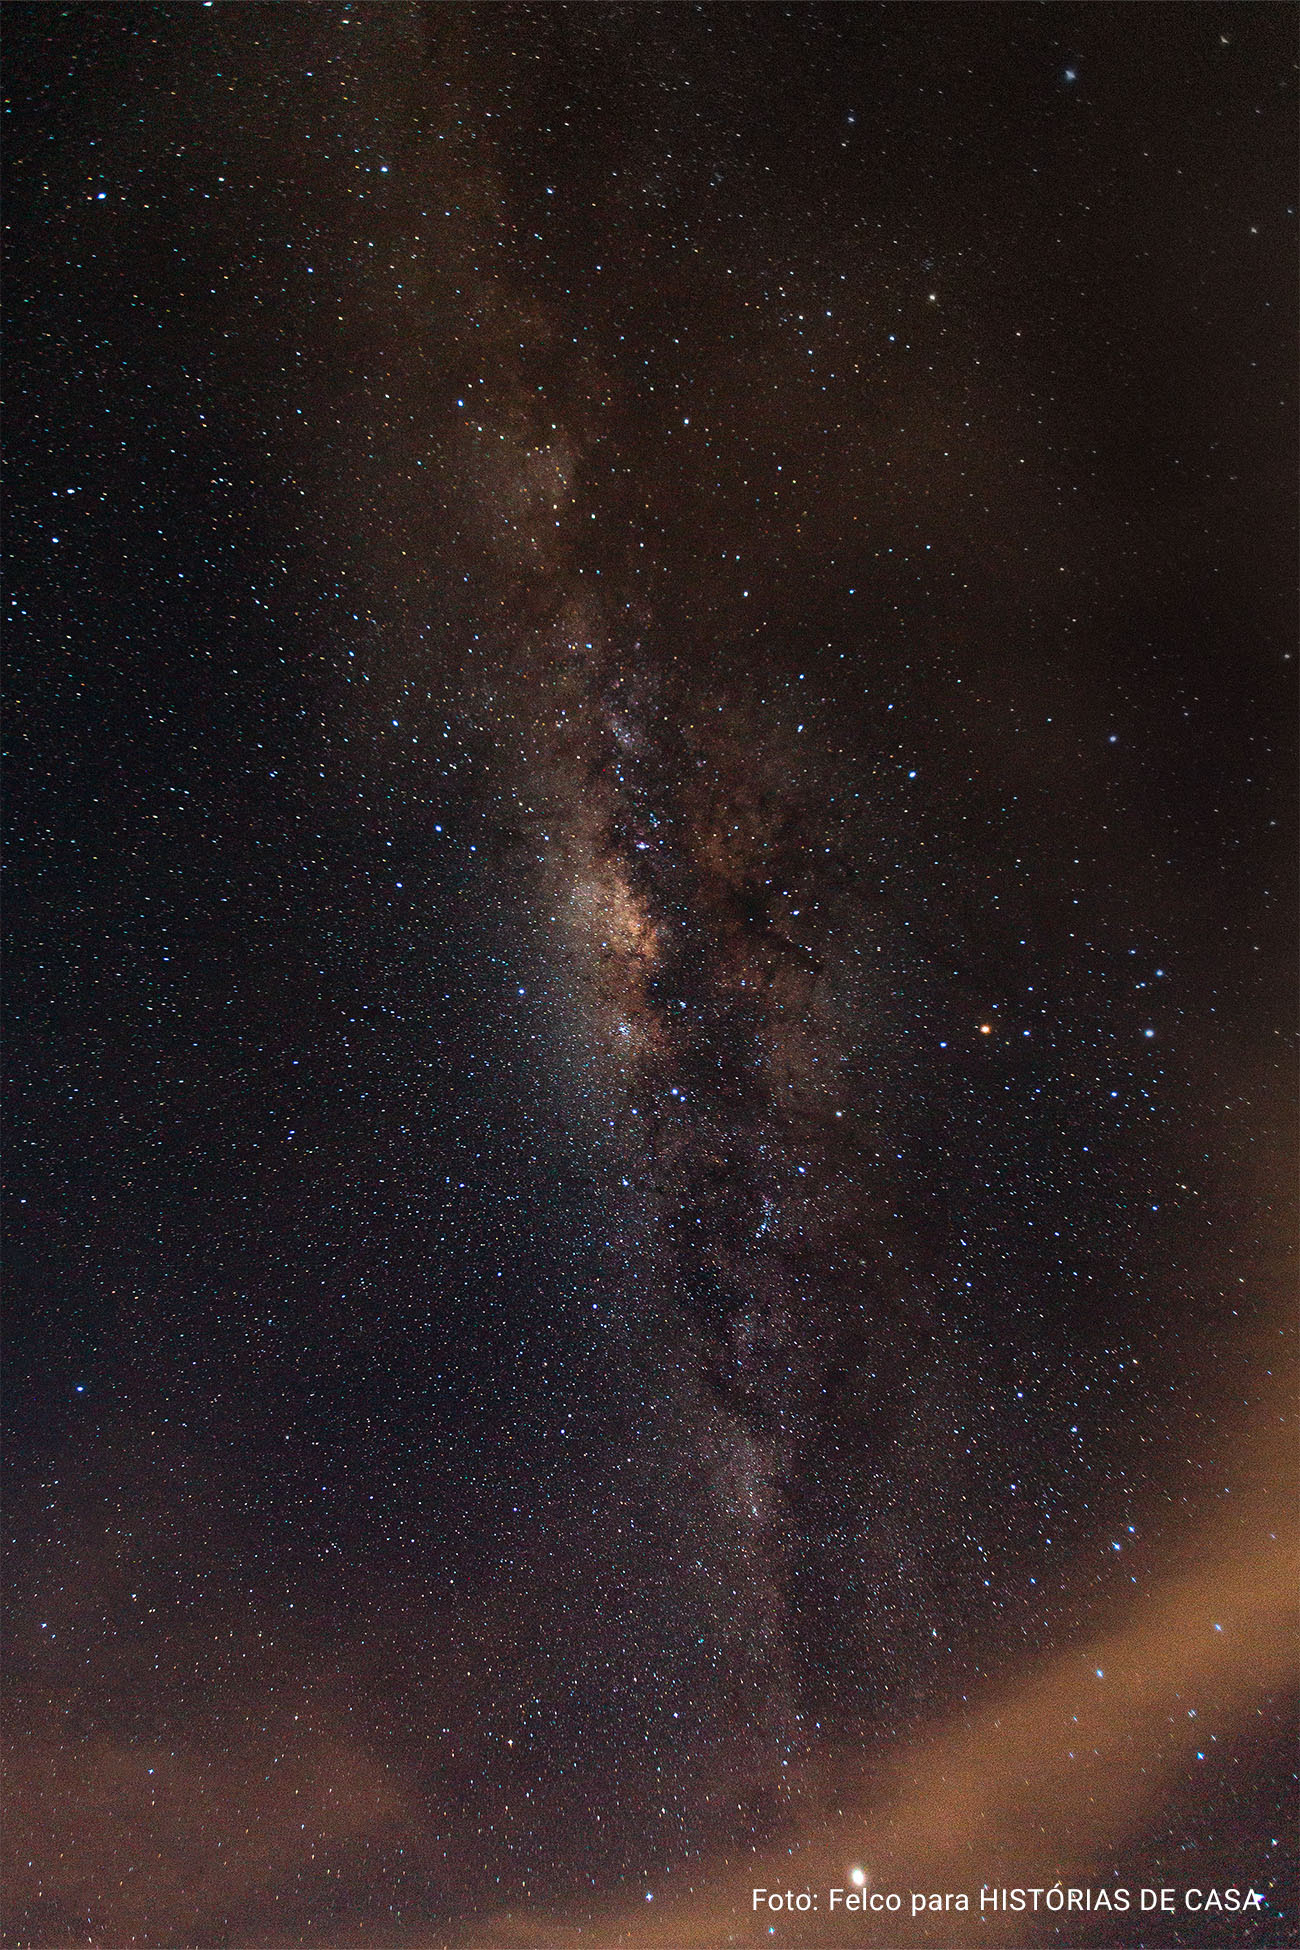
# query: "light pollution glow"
x,y
1042,1779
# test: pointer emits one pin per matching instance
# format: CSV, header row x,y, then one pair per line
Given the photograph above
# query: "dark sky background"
x,y
650,935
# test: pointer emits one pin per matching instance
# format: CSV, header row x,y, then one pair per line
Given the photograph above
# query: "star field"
x,y
650,938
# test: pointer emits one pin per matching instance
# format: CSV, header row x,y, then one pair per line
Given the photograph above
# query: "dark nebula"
x,y
650,930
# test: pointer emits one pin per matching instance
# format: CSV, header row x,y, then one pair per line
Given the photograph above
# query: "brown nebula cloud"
x,y
276,1799
114,1842
1052,1777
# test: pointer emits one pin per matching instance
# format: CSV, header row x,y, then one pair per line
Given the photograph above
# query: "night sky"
x,y
650,933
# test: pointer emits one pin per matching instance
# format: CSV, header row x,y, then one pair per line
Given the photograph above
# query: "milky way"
x,y
651,763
